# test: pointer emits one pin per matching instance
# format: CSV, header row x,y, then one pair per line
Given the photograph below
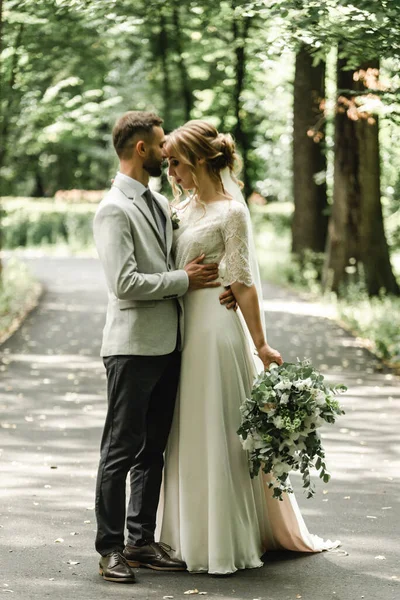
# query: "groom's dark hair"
x,y
133,123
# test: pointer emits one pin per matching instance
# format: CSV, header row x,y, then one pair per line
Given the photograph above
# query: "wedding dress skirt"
x,y
217,518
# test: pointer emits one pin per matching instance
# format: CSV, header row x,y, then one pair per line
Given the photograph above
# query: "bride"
x,y
217,518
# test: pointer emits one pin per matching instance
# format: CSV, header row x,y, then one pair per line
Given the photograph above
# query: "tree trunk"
x,y
163,53
374,249
356,233
240,30
6,109
2,141
39,190
309,226
185,80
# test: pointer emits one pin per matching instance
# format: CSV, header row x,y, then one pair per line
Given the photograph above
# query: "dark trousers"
x,y
141,398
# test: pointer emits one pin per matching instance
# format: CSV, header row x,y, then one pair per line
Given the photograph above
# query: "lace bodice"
x,y
220,231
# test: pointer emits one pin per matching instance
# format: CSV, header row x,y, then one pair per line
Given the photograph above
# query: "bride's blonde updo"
x,y
199,139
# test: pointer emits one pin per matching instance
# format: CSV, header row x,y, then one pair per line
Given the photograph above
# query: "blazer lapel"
x,y
141,204
168,225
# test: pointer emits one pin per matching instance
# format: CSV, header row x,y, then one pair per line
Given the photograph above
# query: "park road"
x,y
52,397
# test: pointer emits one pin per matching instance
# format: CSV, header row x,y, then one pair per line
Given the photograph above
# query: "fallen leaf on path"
x,y
51,579
386,507
86,522
74,533
58,541
380,557
167,597
190,592
73,562
298,596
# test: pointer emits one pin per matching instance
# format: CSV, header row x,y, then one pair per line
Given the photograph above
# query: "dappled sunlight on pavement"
x,y
52,402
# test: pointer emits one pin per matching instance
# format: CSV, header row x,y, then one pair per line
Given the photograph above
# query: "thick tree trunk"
x,y
185,79
373,245
356,233
343,240
310,223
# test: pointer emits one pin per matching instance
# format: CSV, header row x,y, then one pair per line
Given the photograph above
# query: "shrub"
x,y
34,223
19,292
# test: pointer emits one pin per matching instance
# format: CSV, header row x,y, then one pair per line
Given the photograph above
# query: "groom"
x,y
141,349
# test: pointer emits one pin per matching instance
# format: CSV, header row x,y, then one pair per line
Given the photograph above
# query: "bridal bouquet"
x,y
280,421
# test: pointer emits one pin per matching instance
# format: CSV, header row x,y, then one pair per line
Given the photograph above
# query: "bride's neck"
x,y
209,190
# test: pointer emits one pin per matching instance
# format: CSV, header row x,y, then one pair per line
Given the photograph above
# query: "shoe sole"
x,y
132,563
115,579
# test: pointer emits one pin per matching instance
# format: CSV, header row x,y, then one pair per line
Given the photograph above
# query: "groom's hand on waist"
x,y
202,276
228,299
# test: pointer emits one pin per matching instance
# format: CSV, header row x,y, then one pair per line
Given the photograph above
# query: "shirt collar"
x,y
138,187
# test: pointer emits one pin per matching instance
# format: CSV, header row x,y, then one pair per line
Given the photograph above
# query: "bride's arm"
x,y
247,298
239,276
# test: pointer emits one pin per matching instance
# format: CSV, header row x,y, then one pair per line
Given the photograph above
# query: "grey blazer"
x,y
144,289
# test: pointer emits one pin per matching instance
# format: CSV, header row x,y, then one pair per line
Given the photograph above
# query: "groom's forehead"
x,y
158,134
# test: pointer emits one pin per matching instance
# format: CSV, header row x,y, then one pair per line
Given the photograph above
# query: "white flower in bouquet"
x,y
248,443
281,468
279,422
303,384
283,385
320,398
284,399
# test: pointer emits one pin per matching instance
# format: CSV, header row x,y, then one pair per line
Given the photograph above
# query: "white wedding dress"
x,y
217,518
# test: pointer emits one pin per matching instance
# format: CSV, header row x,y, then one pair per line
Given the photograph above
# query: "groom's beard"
x,y
153,167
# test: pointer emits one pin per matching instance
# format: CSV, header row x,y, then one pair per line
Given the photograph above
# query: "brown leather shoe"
x,y
153,555
114,567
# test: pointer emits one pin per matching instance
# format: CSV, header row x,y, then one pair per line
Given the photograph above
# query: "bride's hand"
x,y
269,355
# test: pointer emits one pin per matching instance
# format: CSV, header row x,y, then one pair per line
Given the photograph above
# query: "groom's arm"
x,y
116,251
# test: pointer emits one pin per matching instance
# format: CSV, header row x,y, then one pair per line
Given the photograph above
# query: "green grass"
x,y
19,293
376,320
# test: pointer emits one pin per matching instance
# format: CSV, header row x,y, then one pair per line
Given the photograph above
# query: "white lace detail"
x,y
220,231
236,238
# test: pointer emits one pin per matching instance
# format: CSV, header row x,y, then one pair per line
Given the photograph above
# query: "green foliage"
x,y
18,293
33,223
374,319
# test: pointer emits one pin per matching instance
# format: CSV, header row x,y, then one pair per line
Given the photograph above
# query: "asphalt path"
x,y
52,406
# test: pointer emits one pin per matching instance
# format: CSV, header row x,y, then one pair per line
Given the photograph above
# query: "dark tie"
x,y
158,218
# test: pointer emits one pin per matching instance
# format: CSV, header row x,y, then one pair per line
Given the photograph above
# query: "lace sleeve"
x,y
235,232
